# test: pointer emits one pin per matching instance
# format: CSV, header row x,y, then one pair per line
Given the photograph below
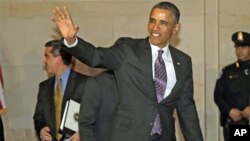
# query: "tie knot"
x,y
59,83
58,79
160,52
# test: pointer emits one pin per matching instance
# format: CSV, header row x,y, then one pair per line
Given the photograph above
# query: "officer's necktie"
x,y
160,83
58,105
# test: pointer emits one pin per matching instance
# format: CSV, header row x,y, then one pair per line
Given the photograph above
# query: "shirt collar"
x,y
166,54
64,77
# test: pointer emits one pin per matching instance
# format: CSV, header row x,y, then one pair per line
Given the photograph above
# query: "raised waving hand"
x,y
65,24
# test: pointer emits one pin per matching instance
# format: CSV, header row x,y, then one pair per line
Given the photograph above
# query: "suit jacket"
x,y
45,108
97,107
131,60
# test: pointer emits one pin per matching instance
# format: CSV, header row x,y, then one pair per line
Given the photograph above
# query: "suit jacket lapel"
x,y
178,67
145,57
145,62
69,88
50,97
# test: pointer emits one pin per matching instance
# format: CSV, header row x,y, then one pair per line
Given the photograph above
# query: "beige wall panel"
x,y
198,76
24,37
22,95
135,27
234,16
98,30
211,70
191,39
190,7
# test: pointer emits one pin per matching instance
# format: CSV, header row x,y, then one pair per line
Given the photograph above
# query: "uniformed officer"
x,y
232,90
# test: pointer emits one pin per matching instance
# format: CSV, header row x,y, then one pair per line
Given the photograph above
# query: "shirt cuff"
x,y
70,46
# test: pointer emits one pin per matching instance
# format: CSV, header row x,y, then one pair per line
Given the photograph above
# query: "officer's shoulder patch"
x,y
219,74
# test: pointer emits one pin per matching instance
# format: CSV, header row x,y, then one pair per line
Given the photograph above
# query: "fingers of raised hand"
x,y
59,13
66,13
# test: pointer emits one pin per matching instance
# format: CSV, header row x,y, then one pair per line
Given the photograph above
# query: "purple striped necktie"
x,y
160,83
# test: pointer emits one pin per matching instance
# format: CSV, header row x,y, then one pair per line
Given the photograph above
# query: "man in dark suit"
x,y
140,115
57,63
97,107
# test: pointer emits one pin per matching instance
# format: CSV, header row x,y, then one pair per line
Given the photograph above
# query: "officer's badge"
x,y
240,36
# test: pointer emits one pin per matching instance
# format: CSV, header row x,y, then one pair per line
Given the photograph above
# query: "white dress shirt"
x,y
166,56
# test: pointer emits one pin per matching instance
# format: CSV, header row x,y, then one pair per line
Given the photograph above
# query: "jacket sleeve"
x,y
38,117
89,110
220,93
101,57
186,109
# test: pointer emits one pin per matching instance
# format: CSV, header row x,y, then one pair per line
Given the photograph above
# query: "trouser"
x,y
226,133
226,129
1,130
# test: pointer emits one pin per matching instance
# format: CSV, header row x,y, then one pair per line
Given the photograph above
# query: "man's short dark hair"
x,y
58,51
168,6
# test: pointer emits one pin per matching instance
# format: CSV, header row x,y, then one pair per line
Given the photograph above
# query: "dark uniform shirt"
x,y
232,89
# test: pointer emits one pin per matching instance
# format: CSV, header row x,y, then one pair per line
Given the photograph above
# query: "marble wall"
x,y
25,26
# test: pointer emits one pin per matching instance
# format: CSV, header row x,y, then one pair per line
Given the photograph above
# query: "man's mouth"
x,y
155,34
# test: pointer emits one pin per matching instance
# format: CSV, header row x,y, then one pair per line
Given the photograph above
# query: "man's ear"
x,y
59,60
177,28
